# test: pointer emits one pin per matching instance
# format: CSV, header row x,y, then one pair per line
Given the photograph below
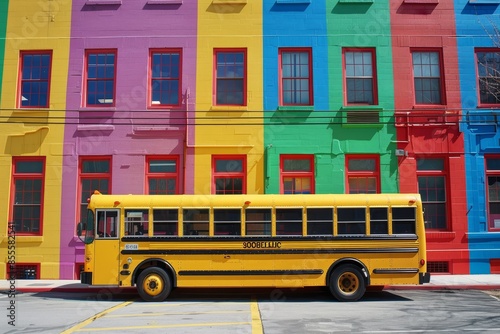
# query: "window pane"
x,y
227,222
29,167
296,165
234,165
165,221
430,164
162,166
361,165
493,164
195,221
95,166
288,221
351,221
258,221
403,220
379,221
320,221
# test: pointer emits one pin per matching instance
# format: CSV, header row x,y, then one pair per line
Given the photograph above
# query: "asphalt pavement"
x,y
438,282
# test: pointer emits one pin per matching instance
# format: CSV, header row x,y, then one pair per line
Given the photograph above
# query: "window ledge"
x,y
229,108
164,2
95,127
484,2
356,1
293,1
154,129
426,2
229,2
295,108
103,2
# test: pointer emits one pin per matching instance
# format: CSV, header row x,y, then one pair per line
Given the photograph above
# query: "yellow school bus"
x,y
344,242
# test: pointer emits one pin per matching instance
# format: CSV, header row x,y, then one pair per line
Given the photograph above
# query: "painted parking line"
x,y
95,317
255,323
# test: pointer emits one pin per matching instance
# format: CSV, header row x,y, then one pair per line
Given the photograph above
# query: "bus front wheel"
x,y
347,283
154,285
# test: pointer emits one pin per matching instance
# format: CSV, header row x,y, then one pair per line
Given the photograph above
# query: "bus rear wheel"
x,y
347,283
154,285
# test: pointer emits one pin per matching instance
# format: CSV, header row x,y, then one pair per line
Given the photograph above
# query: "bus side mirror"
x,y
79,228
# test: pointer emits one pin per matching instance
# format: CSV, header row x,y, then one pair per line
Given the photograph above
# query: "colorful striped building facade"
x,y
243,96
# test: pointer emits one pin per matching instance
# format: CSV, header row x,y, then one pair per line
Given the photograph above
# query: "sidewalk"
x,y
438,282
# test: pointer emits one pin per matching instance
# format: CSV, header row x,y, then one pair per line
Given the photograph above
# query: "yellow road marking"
x,y
256,320
171,313
95,317
103,329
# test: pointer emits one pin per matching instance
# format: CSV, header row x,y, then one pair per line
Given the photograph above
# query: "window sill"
x,y
356,1
229,108
229,2
295,108
41,109
103,2
164,2
95,127
425,2
302,2
484,2
97,108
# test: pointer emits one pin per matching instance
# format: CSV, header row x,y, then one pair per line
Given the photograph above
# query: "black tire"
x,y
154,285
347,283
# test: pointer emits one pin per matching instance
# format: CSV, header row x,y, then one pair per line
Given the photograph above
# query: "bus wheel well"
x,y
346,261
157,263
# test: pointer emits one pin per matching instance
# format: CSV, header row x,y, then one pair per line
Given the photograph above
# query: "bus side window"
x,y
195,222
227,222
258,221
320,221
403,220
351,220
288,221
136,222
379,223
165,221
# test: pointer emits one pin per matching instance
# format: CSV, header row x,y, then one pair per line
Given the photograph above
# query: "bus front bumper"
x,y
86,278
424,278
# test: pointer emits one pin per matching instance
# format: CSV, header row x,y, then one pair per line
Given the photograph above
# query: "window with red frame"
x,y
297,174
488,72
95,174
100,77
34,79
493,191
162,175
363,175
27,197
23,271
431,176
359,73
229,175
427,78
296,77
165,78
230,74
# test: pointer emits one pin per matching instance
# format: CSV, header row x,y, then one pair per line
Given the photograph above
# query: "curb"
x,y
444,287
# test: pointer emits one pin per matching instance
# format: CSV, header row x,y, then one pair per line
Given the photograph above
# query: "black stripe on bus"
x,y
248,272
264,251
396,271
207,238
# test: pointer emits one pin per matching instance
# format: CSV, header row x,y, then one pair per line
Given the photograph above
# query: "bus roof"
x,y
254,200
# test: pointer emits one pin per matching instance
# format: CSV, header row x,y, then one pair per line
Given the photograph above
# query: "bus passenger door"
x,y
107,247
